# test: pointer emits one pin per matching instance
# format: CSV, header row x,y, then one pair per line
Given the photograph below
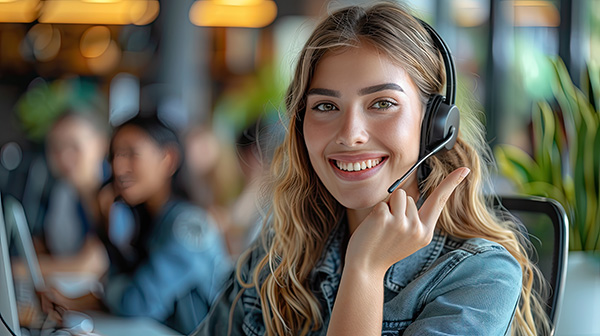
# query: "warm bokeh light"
x,y
121,12
107,61
46,41
536,14
470,13
94,41
149,12
238,2
231,13
19,10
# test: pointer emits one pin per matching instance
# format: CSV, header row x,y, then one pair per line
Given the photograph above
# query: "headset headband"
x,y
448,62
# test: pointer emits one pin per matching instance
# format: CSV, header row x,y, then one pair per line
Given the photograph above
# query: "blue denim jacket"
x,y
450,287
178,270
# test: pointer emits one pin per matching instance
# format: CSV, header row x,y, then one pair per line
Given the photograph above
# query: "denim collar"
x,y
330,262
411,267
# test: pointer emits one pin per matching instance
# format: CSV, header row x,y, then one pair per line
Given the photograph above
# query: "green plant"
x,y
44,102
565,160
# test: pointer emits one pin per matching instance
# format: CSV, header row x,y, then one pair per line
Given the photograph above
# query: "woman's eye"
x,y
325,107
383,104
122,155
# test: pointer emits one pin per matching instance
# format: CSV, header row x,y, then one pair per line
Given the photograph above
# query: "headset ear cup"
x,y
430,120
439,118
426,135
452,119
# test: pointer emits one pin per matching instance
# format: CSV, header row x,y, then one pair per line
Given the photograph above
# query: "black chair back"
x,y
547,227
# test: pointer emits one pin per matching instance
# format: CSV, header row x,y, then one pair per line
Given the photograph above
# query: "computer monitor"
x,y
16,221
8,304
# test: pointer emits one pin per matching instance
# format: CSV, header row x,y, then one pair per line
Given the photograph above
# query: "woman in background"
x,y
176,261
76,148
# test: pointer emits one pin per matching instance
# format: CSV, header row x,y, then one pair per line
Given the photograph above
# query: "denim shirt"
x,y
450,287
181,266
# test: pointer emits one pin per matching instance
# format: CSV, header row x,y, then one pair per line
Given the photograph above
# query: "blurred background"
x,y
215,66
219,65
216,71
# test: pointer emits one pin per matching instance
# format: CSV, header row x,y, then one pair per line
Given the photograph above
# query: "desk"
x,y
110,325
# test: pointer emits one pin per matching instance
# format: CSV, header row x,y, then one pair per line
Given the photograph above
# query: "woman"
x,y
337,256
76,144
175,263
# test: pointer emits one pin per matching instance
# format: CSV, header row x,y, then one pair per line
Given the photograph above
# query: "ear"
x,y
172,159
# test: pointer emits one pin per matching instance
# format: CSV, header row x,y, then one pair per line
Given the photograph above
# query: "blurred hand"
x,y
106,197
50,306
55,304
396,229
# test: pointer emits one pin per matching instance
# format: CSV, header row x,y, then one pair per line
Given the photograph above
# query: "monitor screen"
x,y
8,303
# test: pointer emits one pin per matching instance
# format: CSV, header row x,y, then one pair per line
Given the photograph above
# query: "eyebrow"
x,y
380,87
324,92
362,92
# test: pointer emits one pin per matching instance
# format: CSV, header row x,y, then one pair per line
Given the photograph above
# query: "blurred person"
x,y
215,176
254,155
76,149
176,263
341,253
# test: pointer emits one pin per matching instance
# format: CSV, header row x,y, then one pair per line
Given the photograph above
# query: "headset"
x,y
441,121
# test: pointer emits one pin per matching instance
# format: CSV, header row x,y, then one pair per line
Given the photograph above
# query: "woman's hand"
x,y
396,229
53,298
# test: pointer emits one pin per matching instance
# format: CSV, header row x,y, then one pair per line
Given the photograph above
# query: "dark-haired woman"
x,y
175,262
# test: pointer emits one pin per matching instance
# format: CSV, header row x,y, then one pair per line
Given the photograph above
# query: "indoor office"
x,y
271,167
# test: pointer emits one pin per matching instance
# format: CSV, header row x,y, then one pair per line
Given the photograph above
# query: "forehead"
x,y
353,68
69,127
130,135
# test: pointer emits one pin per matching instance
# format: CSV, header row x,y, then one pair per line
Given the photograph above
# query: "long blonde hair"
x,y
303,213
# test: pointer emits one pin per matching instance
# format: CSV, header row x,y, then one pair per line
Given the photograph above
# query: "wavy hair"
x,y
303,213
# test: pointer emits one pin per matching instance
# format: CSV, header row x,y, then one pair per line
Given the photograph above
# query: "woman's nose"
x,y
353,129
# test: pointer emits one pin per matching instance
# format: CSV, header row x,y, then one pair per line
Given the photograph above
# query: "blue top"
x,y
450,287
178,269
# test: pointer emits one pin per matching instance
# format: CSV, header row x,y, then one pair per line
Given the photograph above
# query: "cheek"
x,y
402,135
316,136
150,171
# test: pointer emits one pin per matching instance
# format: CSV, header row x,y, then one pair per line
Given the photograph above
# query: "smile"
x,y
359,165
357,169
125,183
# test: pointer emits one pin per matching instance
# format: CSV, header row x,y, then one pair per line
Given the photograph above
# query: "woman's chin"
x,y
131,198
357,203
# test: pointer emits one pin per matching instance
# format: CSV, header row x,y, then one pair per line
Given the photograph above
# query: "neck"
x,y
155,203
88,189
355,217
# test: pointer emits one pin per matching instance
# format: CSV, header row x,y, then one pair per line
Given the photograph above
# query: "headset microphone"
x,y
438,148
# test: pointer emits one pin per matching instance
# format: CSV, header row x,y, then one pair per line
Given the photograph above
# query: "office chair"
x,y
546,223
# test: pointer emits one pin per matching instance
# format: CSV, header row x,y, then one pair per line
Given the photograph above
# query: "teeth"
x,y
357,166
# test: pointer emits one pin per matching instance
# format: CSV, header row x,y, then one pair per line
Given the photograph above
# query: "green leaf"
x,y
515,164
565,163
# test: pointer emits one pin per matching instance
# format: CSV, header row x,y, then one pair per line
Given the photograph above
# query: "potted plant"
x,y
565,165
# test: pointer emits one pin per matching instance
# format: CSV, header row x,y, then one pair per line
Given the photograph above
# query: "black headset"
x,y
441,121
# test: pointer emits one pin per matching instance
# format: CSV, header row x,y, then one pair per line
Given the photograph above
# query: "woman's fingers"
x,y
412,213
432,208
397,202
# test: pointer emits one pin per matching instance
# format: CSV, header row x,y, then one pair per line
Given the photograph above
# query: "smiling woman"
x,y
360,108
339,255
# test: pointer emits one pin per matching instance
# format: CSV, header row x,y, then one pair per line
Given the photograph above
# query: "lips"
x,y
125,182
